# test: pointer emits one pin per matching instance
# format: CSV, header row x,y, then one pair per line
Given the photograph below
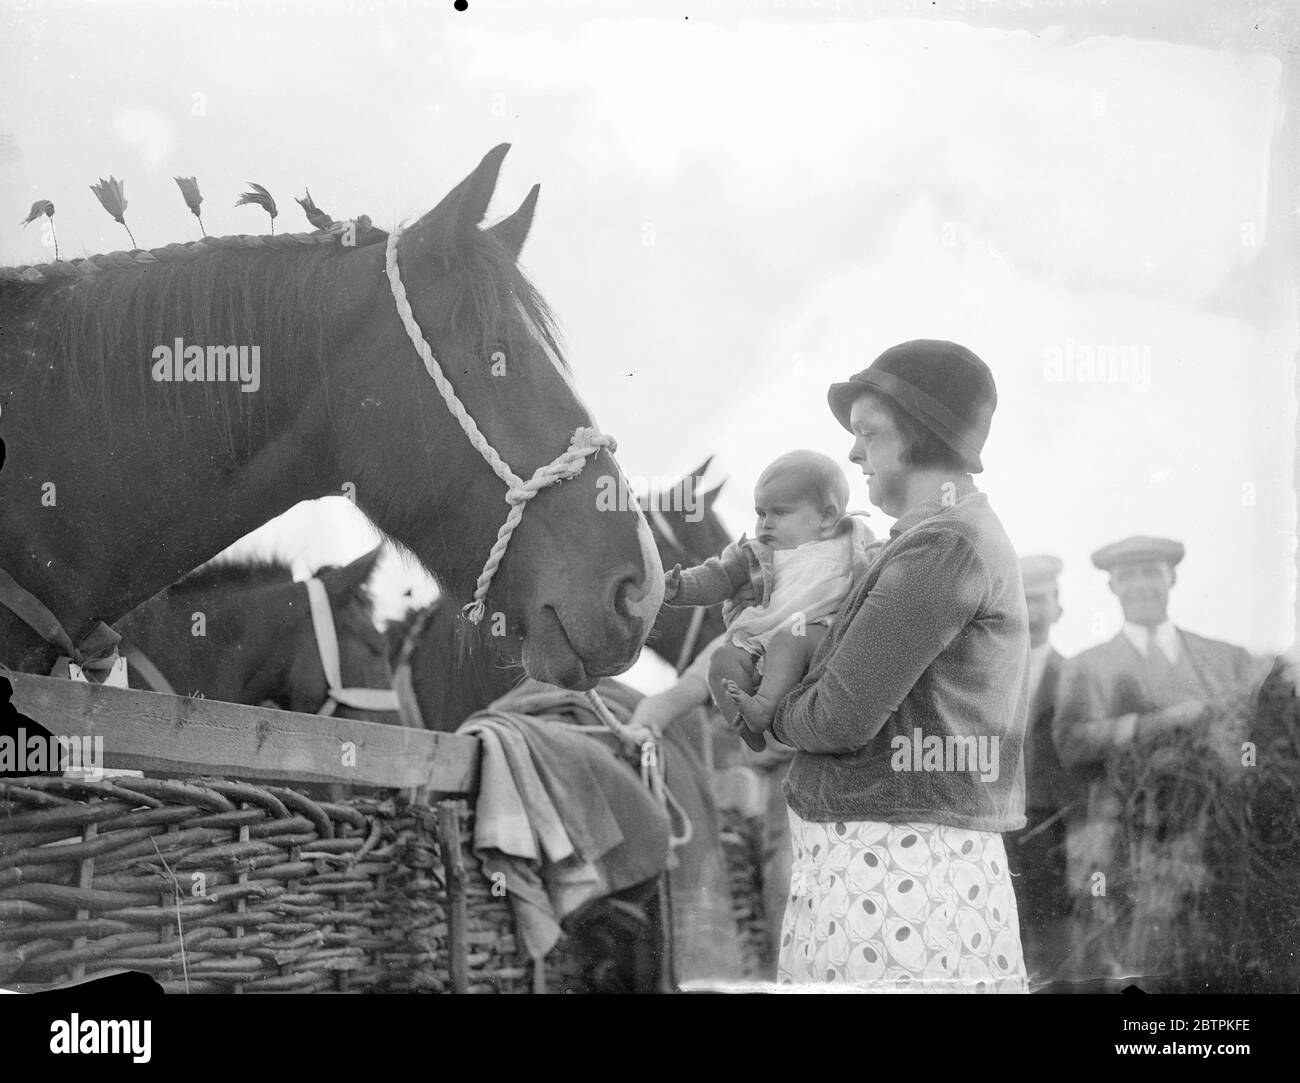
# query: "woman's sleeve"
x,y
929,591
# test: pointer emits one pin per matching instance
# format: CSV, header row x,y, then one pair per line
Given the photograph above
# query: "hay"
x,y
1207,888
742,847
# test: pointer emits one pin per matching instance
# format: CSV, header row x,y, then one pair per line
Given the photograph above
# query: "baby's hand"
x,y
672,583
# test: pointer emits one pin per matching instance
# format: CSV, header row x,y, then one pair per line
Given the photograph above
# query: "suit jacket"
x,y
1101,686
1047,783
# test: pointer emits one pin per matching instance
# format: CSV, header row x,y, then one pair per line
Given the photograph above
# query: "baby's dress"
x,y
810,580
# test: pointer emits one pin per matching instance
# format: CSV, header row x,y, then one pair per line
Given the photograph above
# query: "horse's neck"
x,y
135,505
121,545
188,634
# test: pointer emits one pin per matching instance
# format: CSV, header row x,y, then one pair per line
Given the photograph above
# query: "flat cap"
x,y
1039,572
1136,549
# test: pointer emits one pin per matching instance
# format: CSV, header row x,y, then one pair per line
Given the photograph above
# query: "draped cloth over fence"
x,y
706,939
560,819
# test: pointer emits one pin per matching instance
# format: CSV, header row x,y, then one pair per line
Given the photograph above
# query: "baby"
x,y
806,557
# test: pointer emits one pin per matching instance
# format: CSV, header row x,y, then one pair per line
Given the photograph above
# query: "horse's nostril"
x,y
624,596
629,603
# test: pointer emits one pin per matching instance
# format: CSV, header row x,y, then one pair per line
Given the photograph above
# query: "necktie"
x,y
1159,667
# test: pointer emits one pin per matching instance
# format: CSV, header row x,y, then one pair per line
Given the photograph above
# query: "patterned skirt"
x,y
900,907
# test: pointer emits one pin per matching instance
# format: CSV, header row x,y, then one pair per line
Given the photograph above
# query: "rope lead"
x,y
584,443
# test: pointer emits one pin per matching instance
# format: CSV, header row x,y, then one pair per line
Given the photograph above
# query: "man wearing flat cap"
x,y
1152,679
1037,853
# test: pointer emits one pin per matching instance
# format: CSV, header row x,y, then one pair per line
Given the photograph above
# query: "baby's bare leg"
x,y
732,665
784,666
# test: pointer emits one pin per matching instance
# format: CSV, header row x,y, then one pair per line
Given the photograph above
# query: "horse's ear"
x,y
343,583
710,498
699,472
513,231
691,480
454,220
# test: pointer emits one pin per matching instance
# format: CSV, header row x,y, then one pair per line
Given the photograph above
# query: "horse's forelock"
x,y
359,595
488,285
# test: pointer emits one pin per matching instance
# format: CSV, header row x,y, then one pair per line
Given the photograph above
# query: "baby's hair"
x,y
813,473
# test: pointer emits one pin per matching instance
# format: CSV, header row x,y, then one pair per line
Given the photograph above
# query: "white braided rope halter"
x,y
584,443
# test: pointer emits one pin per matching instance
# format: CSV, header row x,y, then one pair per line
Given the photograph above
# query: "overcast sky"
x,y
740,207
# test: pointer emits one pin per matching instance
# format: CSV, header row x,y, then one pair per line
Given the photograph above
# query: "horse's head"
x,y
686,531
242,632
685,527
579,582
363,649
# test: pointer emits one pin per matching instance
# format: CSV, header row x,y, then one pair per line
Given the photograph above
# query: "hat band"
x,y
925,409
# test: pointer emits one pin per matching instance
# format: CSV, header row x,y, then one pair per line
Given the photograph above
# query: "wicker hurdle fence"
x,y
224,871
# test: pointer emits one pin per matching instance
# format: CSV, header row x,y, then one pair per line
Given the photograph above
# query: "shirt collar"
x,y
939,502
1166,636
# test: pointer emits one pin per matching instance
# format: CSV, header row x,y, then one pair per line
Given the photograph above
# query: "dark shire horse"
x,y
457,669
120,480
686,535
258,643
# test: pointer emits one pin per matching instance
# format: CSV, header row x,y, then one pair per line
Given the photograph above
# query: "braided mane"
x,y
97,312
41,274
85,330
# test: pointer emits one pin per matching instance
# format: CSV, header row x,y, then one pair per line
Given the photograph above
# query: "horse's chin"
x,y
549,655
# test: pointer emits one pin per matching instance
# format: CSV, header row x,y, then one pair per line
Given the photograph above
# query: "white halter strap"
x,y
584,442
327,645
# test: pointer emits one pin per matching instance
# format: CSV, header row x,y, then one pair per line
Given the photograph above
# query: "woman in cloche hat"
x,y
909,725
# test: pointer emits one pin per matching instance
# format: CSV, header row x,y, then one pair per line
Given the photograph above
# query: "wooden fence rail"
x,y
179,736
